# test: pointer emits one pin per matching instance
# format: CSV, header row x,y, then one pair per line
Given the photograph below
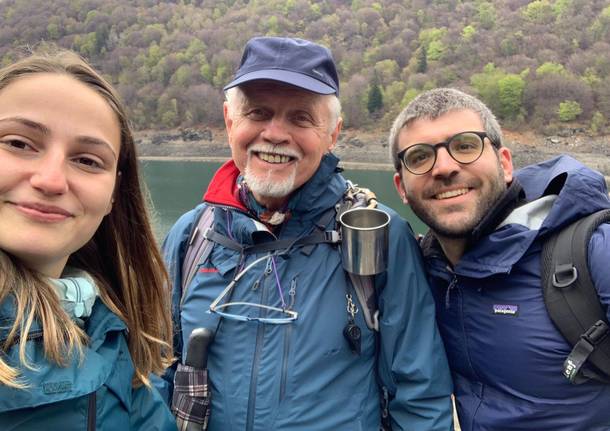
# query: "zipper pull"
x,y
451,285
269,266
292,293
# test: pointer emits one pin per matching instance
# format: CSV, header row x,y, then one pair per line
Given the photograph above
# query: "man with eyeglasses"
x,y
483,259
282,307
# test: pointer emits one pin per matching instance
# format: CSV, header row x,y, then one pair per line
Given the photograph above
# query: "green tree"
x,y
375,99
601,26
568,110
53,30
510,92
429,35
468,32
386,71
422,60
409,95
486,84
539,11
486,14
393,94
550,68
436,50
598,122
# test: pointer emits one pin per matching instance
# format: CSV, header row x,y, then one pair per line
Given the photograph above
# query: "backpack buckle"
x,y
332,236
564,275
596,333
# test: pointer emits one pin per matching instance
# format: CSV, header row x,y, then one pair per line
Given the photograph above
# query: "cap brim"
x,y
286,77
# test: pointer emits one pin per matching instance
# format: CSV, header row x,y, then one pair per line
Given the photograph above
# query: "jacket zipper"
x,y
260,335
287,336
92,412
451,286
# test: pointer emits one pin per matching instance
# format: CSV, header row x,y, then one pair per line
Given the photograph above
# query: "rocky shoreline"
x,y
364,149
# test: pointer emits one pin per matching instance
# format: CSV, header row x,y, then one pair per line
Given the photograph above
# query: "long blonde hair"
x,y
122,257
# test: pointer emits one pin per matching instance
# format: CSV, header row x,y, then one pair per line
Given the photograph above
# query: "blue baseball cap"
x,y
292,61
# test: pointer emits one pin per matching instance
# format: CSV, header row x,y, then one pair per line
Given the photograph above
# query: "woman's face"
x,y
59,147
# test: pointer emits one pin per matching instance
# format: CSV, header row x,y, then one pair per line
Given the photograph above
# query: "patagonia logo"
x,y
505,309
56,387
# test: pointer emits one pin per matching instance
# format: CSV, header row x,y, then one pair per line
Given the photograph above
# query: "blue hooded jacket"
x,y
303,375
95,394
505,354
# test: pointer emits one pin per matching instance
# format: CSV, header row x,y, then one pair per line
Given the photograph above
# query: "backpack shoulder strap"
x,y
572,301
198,248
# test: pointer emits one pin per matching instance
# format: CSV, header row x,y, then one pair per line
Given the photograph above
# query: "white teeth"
x,y
451,194
273,158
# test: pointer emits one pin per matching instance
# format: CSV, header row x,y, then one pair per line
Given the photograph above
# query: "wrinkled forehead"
x,y
262,91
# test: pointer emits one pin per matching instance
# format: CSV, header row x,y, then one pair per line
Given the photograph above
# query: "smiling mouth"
x,y
451,194
41,212
274,158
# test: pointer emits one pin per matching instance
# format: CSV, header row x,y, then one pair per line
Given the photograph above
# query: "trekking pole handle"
x,y
197,348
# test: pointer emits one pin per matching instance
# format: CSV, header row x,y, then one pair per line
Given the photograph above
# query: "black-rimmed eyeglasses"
x,y
464,148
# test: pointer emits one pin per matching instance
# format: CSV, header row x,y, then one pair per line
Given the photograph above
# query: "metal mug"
x,y
364,240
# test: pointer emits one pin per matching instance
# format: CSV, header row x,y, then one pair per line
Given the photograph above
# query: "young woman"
x,y
84,311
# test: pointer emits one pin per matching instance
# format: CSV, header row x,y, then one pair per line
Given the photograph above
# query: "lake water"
x,y
177,186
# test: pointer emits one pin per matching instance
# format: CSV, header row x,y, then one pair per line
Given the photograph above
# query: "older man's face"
x,y
278,135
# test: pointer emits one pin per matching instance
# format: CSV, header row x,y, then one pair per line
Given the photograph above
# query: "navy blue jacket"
x,y
303,375
504,352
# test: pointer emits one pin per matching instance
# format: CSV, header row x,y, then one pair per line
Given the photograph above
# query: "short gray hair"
x,y
434,103
235,97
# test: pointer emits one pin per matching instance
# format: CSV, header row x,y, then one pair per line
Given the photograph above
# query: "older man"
x,y
286,355
482,257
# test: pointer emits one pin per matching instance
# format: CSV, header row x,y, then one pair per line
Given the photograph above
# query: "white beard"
x,y
264,185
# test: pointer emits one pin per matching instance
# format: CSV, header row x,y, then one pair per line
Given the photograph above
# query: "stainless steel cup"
x,y
364,240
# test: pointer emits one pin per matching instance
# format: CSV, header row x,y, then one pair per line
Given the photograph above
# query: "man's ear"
x,y
506,161
227,117
334,136
400,188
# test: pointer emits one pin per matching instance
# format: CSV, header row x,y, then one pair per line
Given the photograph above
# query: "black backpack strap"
x,y
572,301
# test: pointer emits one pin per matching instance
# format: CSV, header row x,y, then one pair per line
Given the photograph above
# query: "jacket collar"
x,y
314,194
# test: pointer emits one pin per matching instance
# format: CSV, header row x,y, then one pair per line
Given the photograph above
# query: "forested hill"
x,y
540,64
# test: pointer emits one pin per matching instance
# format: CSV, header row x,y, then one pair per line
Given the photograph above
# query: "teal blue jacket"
x,y
303,376
95,394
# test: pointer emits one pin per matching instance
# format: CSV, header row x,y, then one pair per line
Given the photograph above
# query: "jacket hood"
x,y
580,190
558,192
313,197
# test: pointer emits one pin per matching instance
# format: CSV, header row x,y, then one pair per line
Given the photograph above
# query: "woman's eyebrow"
x,y
90,140
28,123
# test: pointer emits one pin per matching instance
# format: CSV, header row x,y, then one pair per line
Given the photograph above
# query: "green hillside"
x,y
541,64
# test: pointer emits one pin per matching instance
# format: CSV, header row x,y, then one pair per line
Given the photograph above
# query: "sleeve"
x,y
149,412
598,258
173,249
412,362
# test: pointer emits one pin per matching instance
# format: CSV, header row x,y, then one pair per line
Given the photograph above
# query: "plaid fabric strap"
x,y
192,397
